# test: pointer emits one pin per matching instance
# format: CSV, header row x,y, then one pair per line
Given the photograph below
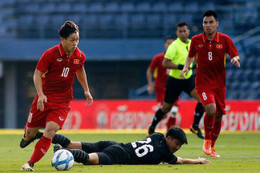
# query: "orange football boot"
x,y
207,147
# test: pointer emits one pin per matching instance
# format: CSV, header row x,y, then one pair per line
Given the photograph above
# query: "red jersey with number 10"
x,y
59,72
211,59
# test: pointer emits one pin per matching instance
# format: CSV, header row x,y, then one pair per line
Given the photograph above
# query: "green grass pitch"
x,y
240,153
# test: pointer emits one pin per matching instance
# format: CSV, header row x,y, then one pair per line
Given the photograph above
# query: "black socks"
x,y
199,111
157,118
79,156
60,139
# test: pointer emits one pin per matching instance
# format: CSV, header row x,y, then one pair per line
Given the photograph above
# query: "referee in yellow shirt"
x,y
174,60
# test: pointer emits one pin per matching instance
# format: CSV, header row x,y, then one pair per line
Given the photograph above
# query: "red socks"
x,y
40,149
208,126
215,133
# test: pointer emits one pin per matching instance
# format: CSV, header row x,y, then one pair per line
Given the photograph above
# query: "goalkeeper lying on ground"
x,y
154,149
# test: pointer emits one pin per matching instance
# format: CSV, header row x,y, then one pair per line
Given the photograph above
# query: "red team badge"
x,y
200,45
219,46
76,61
59,59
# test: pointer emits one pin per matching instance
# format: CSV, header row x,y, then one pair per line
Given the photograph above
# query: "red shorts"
x,y
160,98
216,96
56,112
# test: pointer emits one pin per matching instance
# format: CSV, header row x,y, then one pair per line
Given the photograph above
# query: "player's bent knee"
x,y
210,109
166,107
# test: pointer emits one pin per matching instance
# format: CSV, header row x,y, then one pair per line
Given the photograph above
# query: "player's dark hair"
x,y
210,13
68,28
169,37
177,133
181,24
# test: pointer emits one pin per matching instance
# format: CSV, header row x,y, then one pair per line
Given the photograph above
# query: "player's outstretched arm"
x,y
199,160
82,78
236,60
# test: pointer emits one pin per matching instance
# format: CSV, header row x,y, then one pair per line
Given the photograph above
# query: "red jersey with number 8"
x,y
59,73
211,59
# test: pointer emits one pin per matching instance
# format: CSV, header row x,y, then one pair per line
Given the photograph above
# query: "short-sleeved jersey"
x,y
152,150
177,52
211,59
160,73
59,72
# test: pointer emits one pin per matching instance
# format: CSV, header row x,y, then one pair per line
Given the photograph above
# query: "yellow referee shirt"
x,y
177,52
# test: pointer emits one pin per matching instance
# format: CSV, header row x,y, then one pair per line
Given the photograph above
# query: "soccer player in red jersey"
x,y
210,49
160,75
53,79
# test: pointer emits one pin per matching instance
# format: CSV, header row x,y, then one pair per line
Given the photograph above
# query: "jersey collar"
x,y
205,38
181,42
76,53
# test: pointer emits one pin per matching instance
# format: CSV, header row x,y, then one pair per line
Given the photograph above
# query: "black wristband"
x,y
180,67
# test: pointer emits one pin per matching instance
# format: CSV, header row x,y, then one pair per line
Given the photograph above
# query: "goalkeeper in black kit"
x,y
154,149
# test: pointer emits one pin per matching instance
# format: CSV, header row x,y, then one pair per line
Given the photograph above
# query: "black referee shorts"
x,y
174,87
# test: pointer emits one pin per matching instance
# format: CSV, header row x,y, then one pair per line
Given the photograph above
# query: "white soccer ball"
x,y
62,160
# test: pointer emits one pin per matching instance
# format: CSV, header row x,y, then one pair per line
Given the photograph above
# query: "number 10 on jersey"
x,y
65,72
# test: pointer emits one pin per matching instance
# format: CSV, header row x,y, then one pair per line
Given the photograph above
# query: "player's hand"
x,y
236,61
203,161
184,71
89,98
150,89
40,102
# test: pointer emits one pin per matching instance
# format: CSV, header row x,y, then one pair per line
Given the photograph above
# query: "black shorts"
x,y
174,87
114,154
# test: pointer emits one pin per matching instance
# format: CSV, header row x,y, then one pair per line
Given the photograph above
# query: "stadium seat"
x,y
106,21
175,6
89,21
111,7
255,86
247,75
48,7
154,21
191,7
120,20
159,7
237,74
137,21
250,63
57,21
96,7
127,7
74,18
33,7
42,20
63,7
79,7
245,86
25,21
256,75
235,85
187,18
143,6
208,6
171,20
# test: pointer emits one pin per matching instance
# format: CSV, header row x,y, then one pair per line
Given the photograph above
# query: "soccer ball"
x,y
62,160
